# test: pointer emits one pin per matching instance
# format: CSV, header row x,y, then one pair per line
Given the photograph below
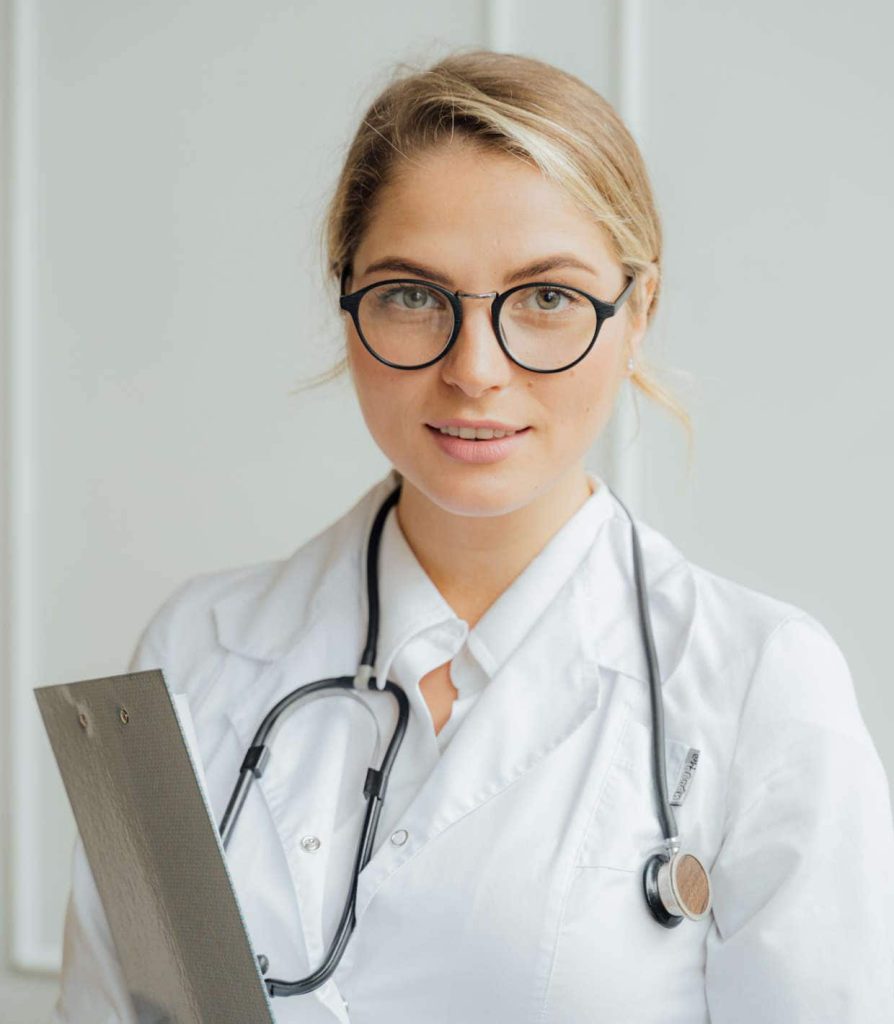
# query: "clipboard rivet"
x,y
124,715
82,718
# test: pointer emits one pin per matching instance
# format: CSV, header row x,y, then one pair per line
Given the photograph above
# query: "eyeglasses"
x,y
410,323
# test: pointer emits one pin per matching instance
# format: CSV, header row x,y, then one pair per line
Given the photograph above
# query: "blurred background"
x,y
164,170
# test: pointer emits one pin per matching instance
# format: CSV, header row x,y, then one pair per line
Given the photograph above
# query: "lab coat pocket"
x,y
607,934
625,826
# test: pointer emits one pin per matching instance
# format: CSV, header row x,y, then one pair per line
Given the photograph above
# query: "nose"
x,y
476,360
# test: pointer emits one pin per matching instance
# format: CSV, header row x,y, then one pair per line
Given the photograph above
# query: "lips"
x,y
479,440
507,428
472,450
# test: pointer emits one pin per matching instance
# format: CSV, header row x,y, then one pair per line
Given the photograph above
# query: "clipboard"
x,y
154,851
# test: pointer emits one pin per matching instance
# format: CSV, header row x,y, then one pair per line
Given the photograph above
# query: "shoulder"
x,y
258,610
744,644
760,630
769,684
781,666
728,621
742,618
182,629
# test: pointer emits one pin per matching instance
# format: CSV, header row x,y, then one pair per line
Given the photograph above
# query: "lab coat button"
x,y
400,837
310,843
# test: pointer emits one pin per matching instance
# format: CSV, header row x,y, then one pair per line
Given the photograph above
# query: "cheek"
x,y
387,398
582,395
370,377
354,351
599,376
376,392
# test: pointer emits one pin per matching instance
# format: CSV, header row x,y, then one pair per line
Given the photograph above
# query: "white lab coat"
x,y
517,893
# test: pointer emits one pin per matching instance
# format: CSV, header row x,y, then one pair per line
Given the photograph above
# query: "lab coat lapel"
x,y
309,621
532,705
548,688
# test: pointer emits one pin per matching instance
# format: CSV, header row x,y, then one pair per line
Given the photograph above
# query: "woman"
x,y
506,881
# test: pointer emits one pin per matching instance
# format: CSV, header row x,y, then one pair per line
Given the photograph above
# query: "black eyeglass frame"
x,y
351,304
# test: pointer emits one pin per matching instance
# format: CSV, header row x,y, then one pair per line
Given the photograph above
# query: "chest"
x,y
439,692
506,864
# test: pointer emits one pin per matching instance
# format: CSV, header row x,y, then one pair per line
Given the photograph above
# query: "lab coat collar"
x,y
268,616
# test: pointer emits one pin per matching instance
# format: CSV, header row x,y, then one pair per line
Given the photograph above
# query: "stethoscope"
x,y
675,884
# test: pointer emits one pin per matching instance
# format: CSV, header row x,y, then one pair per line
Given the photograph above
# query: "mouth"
x,y
477,448
487,433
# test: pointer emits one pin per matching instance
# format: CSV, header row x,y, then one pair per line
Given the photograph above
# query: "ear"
x,y
345,277
646,285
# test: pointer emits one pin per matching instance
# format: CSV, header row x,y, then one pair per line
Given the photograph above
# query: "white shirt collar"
x,y
271,610
410,603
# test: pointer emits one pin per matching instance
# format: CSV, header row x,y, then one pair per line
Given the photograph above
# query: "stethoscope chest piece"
x,y
677,886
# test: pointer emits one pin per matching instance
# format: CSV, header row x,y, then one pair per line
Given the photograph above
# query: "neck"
x,y
473,559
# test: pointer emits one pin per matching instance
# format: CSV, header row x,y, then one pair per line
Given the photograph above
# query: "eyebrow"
x,y
524,273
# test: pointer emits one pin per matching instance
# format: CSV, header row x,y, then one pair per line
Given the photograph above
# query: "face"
x,y
473,218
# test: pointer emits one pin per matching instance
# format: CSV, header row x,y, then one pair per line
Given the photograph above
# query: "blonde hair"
x,y
526,108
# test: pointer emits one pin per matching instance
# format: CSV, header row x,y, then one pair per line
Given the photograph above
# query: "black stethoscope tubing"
x,y
376,783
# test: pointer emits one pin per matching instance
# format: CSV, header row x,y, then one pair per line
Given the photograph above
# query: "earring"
x,y
630,364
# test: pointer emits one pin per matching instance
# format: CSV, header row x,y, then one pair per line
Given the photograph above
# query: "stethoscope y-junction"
x,y
675,883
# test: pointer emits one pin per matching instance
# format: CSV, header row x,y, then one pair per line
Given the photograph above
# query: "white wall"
x,y
166,167
773,158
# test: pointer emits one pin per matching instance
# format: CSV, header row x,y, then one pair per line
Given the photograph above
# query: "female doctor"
x,y
499,255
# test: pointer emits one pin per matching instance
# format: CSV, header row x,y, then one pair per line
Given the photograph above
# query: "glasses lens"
x,y
405,323
546,327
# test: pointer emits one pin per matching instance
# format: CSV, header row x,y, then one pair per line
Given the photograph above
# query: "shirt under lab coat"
x,y
505,883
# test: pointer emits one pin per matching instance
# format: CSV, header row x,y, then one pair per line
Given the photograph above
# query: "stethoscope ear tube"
x,y
370,650
374,788
668,822
375,783
676,884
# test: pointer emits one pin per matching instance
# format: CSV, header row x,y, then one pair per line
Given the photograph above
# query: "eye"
x,y
538,299
410,297
548,298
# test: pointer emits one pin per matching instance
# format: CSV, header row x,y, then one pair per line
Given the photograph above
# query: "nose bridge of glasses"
x,y
466,321
477,295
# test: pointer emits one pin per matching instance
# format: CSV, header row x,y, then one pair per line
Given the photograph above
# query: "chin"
x,y
468,490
